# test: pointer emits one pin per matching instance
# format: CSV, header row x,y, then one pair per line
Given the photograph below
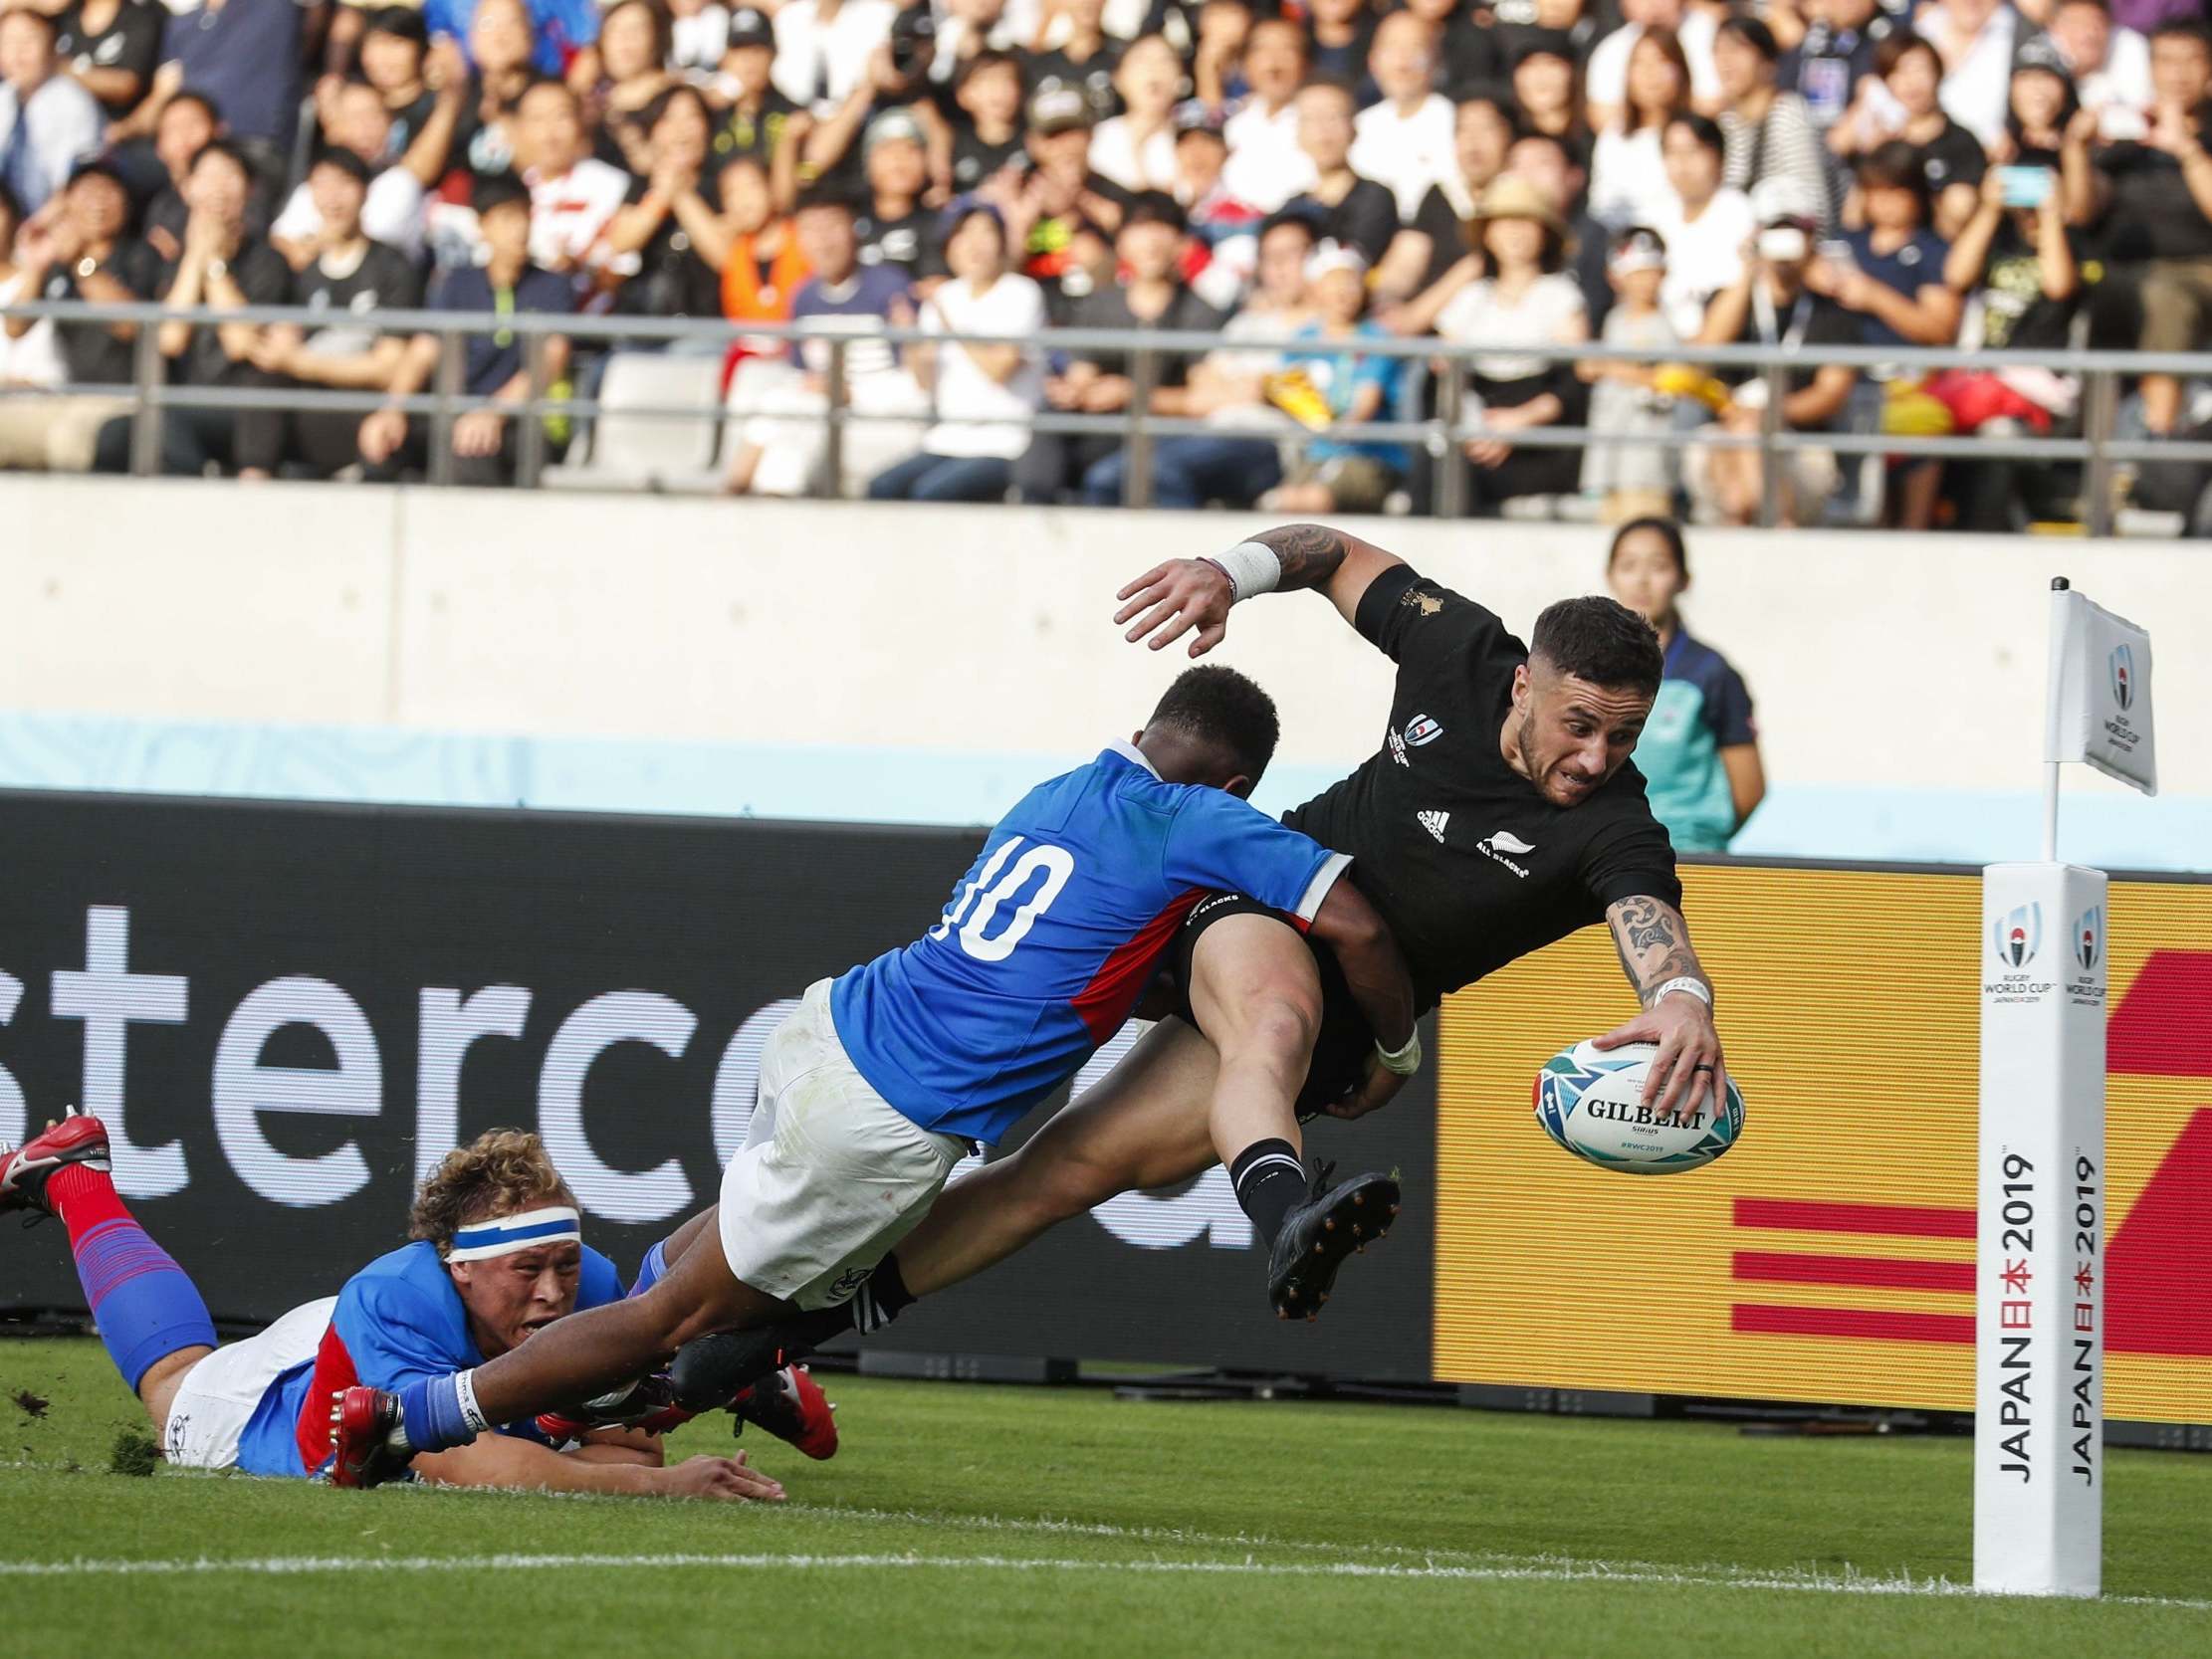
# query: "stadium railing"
x,y
2096,447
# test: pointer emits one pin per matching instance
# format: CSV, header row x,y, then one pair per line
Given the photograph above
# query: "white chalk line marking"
x,y
1440,1563
1587,1573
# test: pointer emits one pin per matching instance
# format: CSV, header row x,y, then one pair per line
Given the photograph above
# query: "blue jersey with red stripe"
x,y
398,1319
1051,934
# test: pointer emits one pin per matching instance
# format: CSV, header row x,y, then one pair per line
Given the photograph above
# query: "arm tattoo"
x,y
1310,554
1653,943
1648,927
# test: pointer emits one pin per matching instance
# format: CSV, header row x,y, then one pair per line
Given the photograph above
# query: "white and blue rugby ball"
x,y
1591,1101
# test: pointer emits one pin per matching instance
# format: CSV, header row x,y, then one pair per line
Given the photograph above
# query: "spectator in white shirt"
x,y
1704,224
1628,170
823,47
1136,149
33,359
997,388
572,196
2111,64
1605,76
47,121
1405,142
359,122
1266,165
1522,302
1974,38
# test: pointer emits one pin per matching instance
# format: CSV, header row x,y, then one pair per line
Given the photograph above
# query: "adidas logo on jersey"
x,y
1434,823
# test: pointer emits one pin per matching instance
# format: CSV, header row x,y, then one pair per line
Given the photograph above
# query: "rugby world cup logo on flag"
x,y
2123,674
2019,935
2089,937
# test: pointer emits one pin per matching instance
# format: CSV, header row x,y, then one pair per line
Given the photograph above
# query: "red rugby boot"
x,y
78,1138
792,1406
361,1424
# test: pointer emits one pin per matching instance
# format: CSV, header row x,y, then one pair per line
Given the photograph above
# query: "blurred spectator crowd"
x,y
1519,177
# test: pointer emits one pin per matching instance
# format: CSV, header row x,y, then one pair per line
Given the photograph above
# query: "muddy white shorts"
x,y
832,1176
219,1396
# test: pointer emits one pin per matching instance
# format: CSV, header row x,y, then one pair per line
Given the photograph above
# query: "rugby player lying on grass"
x,y
885,1079
497,1256
1500,813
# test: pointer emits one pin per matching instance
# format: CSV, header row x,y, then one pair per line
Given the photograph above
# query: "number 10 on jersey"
x,y
976,905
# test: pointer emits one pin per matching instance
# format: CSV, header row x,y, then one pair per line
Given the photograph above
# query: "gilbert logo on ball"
x,y
1591,1101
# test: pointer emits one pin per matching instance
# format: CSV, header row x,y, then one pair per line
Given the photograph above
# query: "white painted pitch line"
x,y
1589,1573
1186,1538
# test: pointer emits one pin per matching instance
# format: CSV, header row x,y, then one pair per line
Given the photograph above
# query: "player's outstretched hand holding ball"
x,y
1173,599
1592,1100
1688,1071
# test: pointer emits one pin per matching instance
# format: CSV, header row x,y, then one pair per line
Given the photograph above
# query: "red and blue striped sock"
x,y
145,1306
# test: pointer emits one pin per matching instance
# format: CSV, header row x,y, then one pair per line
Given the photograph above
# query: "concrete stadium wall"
x,y
1878,662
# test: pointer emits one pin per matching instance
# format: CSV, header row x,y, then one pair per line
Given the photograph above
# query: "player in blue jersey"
x,y
497,1256
887,1077
1499,812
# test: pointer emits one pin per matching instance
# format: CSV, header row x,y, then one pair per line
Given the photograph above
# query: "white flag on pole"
x,y
2101,705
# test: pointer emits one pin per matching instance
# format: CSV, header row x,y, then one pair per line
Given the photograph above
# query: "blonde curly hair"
x,y
503,1172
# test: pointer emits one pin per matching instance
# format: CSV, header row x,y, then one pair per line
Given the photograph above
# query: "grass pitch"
x,y
979,1521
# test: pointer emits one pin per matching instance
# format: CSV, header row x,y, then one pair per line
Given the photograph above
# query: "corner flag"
x,y
2100,693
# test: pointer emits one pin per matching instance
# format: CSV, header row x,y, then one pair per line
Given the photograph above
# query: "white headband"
x,y
503,1235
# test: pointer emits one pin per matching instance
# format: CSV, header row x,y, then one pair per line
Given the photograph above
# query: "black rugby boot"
x,y
1335,1222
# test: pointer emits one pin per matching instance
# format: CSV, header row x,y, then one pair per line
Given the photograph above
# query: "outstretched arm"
x,y
1657,956
499,1460
1171,599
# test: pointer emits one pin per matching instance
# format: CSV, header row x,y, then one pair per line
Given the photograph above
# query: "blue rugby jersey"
x,y
398,1319
1051,934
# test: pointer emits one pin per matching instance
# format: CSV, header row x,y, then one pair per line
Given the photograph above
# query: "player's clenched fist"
x,y
1175,598
725,1478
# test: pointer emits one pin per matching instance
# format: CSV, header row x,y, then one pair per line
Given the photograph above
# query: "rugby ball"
x,y
1591,1101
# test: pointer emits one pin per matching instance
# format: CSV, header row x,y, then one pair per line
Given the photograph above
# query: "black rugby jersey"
x,y
1469,864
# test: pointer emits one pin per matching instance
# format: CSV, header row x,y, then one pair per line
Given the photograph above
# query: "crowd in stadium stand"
x,y
1513,175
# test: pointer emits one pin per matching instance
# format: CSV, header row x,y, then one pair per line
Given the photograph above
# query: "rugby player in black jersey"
x,y
1500,814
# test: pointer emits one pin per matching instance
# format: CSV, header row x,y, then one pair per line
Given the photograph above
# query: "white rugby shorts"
x,y
218,1396
832,1176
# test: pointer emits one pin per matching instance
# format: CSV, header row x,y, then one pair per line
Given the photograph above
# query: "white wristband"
x,y
1403,1062
1696,987
1251,568
464,1389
